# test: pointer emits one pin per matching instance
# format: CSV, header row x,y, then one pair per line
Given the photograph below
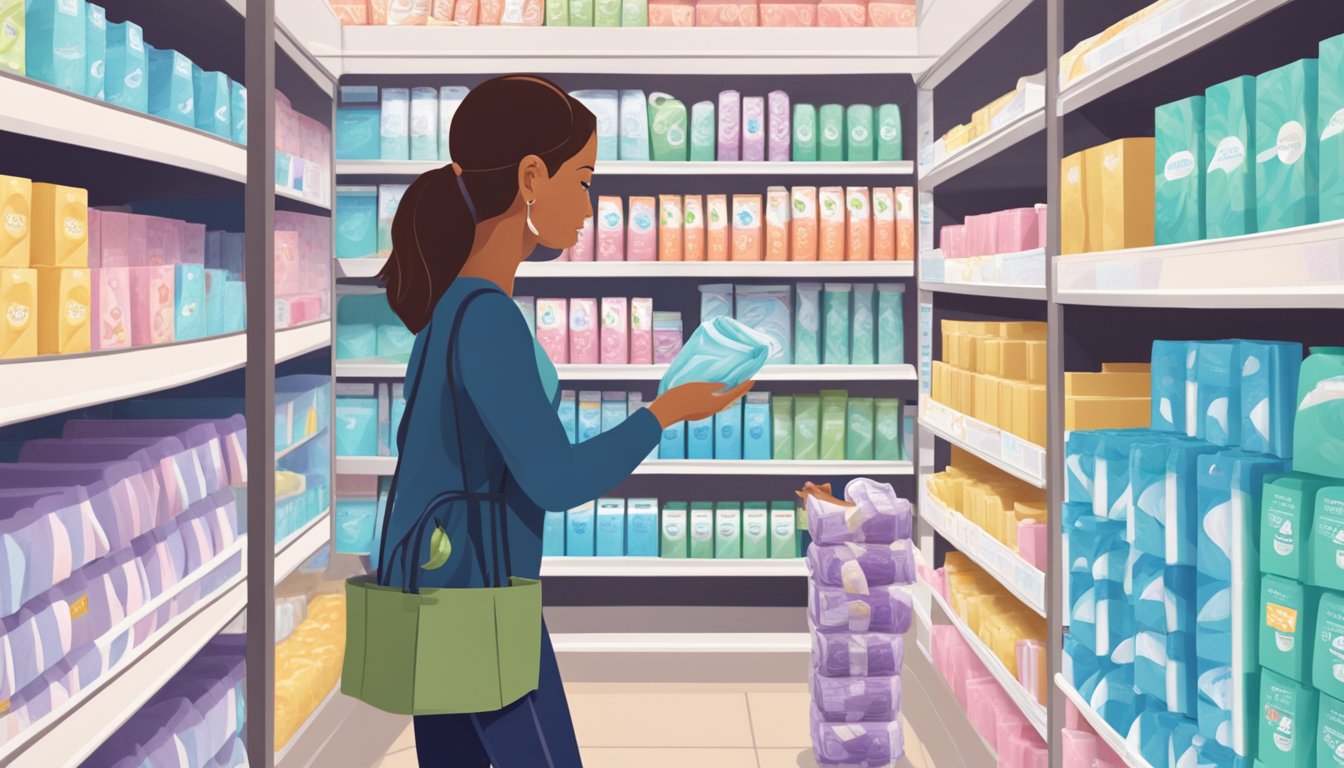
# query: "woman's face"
x,y
563,201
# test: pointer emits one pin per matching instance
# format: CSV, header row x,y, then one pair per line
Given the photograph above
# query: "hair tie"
x,y
466,196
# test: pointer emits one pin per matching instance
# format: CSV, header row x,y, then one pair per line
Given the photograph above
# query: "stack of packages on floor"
x,y
1008,509
996,247
308,665
1028,96
628,13
199,716
1253,154
109,531
1205,557
611,527
860,560
994,372
71,45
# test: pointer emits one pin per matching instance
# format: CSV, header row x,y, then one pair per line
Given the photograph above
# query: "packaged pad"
x,y
857,699
722,350
857,655
1286,146
883,609
1179,157
1229,174
873,744
856,567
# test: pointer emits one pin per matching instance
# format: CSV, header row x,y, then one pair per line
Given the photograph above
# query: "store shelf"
x,y
301,545
688,642
983,149
321,723
1006,451
42,386
355,369
369,268
412,169
39,110
1108,734
1024,580
1034,710
296,445
978,33
384,466
635,51
74,730
995,290
322,204
1288,268
1163,50
666,566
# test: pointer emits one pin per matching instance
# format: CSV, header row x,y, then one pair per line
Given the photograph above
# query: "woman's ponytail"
x,y
432,235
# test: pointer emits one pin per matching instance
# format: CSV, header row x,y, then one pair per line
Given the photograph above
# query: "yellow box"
x,y
1006,404
965,390
1036,362
1093,201
1017,359
63,311
980,393
16,208
989,402
1024,331
1029,413
966,352
938,379
60,227
1106,384
1126,174
1126,368
981,355
18,310
1073,204
957,138
1107,412
980,121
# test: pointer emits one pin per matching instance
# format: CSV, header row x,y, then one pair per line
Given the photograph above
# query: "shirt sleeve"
x,y
499,371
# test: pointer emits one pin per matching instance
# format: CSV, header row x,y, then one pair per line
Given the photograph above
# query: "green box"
x,y
1287,626
1287,722
668,128
1330,117
1178,159
1327,653
1285,147
704,132
863,336
859,438
13,55
674,529
606,13
887,430
783,531
833,417
557,13
836,324
702,530
889,134
1229,170
806,427
755,530
1325,543
1287,508
581,13
635,13
831,133
804,133
782,415
1330,742
859,143
728,531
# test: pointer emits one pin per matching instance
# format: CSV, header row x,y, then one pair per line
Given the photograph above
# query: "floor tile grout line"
x,y
751,725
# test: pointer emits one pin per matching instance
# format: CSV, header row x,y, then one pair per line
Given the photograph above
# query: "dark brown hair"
x,y
499,123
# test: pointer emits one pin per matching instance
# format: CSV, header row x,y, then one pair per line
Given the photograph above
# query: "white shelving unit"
x,y
992,290
985,147
412,169
356,369
1006,451
368,268
300,546
639,567
1025,581
291,753
384,466
1115,741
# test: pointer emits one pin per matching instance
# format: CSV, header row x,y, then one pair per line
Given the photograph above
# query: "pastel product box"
x,y
833,419
700,439
757,427
634,129
859,429
1286,148
836,308
95,51
610,229
667,337
55,31
557,13
1269,371
704,132
13,55
1288,619
1119,172
803,224
890,324
237,110
189,318
1330,123
832,235
1042,224
395,124
213,102
635,13
888,429
728,432
16,206
553,329
288,267
1287,512
171,90
606,106
235,295
673,443
767,309
777,208
747,226
641,237
18,299
1169,385
805,133
781,417
126,76
424,124
670,220
1231,491
727,531
1218,389
615,332
701,528
859,137
1330,725
389,199
356,222
753,128
669,128
581,530
641,528
863,345
606,13
1178,181
693,231
553,535
717,241
1229,176
755,530
583,331
450,98
858,224
492,12
1287,730
725,13
63,303
1326,540
889,133
730,126
610,524
831,132
641,331
671,13
778,132
673,540
152,305
356,420
884,224
467,13
589,416
1317,446
59,227
1016,230
783,530
842,13
585,248
806,427
788,13
1327,667
1073,206
568,412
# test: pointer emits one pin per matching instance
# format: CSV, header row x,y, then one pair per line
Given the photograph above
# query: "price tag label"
x,y
925,347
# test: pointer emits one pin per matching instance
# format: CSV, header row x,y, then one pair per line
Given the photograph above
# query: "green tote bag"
x,y
432,651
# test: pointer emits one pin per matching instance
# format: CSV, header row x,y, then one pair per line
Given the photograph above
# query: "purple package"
x,y
195,527
863,744
94,607
780,129
222,517
80,669
730,126
233,755
832,523
163,241
859,566
200,435
129,580
881,499
33,562
857,699
121,500
883,609
872,653
167,458
24,635
753,128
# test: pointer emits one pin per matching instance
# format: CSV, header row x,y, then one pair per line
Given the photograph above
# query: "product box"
x,y
1118,175
189,313
727,531
358,120
834,415
747,226
1288,626
1289,503
669,128
16,208
831,229
59,228
693,232
1286,163
831,133
95,51
13,52
1327,652
1229,170
889,133
836,324
1287,731
641,528
356,222
19,297
884,224
670,220
778,203
54,38
728,432
860,144
757,427
730,126
615,409
1269,373
64,296
212,108
804,148
753,128
424,124
755,530
704,132
806,427
887,430
783,534
581,530
641,237
126,79
553,535
1179,182
807,332
450,98
859,433
863,333
610,528
674,541
702,530
718,245
171,90
1326,541
1330,121
394,128
356,420
803,224
781,407
700,439
859,224
1073,208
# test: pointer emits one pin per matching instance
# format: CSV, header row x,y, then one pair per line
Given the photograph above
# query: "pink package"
x,y
111,307
151,305
753,129
725,13
564,255
1019,746
641,238
113,236
1017,230
1031,542
779,128
305,309
671,13
583,341
584,249
615,331
553,329
95,238
1080,748
666,345
1042,220
953,241
193,243
163,241
466,13
986,703
730,126
288,268
641,331
842,13
891,13
610,229
788,13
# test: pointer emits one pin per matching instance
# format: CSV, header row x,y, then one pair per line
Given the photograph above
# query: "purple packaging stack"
x,y
859,562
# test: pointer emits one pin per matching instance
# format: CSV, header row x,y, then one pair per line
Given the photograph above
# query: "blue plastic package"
x,y
358,123
673,444
1112,493
768,309
590,415
356,420
95,51
354,525
758,428
580,530
216,308
238,111
1079,466
1148,592
1169,385
1182,500
1218,384
55,31
728,432
213,110
553,535
1269,372
700,439
126,75
722,351
716,301
610,528
1148,476
171,91
189,318
641,528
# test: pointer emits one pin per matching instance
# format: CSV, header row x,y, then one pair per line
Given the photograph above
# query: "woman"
x,y
525,154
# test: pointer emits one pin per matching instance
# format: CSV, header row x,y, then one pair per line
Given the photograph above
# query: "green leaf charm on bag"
x,y
440,547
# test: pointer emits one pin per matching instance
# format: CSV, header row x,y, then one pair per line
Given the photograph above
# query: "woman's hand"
x,y
695,401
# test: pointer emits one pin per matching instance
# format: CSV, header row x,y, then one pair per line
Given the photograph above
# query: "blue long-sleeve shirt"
x,y
508,420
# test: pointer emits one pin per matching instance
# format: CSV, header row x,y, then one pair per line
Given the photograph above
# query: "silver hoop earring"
x,y
530,226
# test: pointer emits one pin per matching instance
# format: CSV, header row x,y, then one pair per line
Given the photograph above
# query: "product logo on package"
x,y
611,220
804,133
73,228
1292,142
1179,165
75,311
888,132
676,136
96,70
643,222
137,38
859,134
17,315
15,223
1075,175
68,7
672,529
1335,127
134,78
1229,156
830,133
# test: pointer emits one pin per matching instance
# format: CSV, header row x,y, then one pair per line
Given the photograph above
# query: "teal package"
x,y
356,222
235,297
358,123
1287,621
1287,725
890,324
569,415
1150,666
889,133
1327,665
1148,591
354,525
1318,432
859,139
863,346
704,132
889,430
1330,744
835,350
238,111
1079,466
126,71
807,325
1182,500
590,415
424,124
1330,116
1230,489
728,531
553,535
1169,367
641,528
1285,148
1269,371
1218,383
1146,525
1229,176
95,51
1326,540
1180,583
55,32
701,528
673,528
1217,686
394,127
356,341
213,113
673,443
610,528
781,412
700,439
728,432
189,320
715,301
389,199
395,341
581,530
804,133
757,427
1178,181
831,133
1287,510
615,409
859,432
356,425
216,309
755,530
171,92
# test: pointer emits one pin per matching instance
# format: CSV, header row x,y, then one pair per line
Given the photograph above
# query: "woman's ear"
x,y
531,175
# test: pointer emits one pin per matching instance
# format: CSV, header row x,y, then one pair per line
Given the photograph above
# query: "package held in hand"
x,y
857,699
856,567
873,653
721,351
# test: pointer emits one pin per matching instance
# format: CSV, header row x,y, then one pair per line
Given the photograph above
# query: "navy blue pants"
x,y
533,732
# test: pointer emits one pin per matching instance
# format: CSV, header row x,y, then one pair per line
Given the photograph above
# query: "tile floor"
x,y
661,725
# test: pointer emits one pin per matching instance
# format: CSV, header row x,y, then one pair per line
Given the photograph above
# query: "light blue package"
x,y
424,124
633,142
171,92
394,124
216,298
700,439
1179,590
1079,663
1114,698
1148,478
863,345
1148,592
1269,371
766,309
716,300
1101,618
614,408
213,112
606,107
1182,500
1112,493
1218,382
238,112
389,199
641,528
835,347
95,51
189,319
55,31
569,415
580,530
1080,571
527,305
126,78
395,341
356,420
723,351
610,528
235,297
890,324
1214,685
553,535
728,432
1229,534
354,525
673,444
358,123
356,222
590,415
1080,456
758,428
807,325
1169,385
1098,547
1153,730
355,341
1150,666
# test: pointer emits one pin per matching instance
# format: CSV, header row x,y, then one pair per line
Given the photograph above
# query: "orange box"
x,y
884,224
716,227
905,223
356,12
693,234
859,223
803,224
1084,412
669,228
747,223
63,311
831,209
777,207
